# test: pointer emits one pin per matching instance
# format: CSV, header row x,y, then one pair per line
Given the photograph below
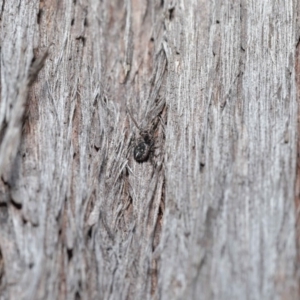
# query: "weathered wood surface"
x,y
213,213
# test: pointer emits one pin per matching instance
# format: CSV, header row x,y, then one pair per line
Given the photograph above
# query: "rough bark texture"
x,y
213,213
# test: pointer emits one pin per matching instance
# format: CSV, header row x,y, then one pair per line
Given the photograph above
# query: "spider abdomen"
x,y
141,151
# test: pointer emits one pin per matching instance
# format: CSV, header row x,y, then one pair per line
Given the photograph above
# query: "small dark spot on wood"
x,y
72,22
171,13
160,211
96,99
85,23
3,130
31,265
202,165
223,104
70,254
162,3
218,22
24,155
96,148
35,223
39,15
74,155
77,296
152,39
74,2
243,49
82,39
90,232
298,42
126,172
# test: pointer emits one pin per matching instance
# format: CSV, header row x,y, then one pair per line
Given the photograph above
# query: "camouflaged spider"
x,y
143,147
144,144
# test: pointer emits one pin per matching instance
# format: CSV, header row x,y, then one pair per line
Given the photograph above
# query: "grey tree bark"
x,y
213,213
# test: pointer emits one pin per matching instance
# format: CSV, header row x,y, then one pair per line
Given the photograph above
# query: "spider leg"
x,y
132,144
133,119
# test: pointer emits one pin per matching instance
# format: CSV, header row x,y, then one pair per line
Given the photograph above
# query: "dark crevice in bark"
x,y
2,9
1,268
17,206
39,16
